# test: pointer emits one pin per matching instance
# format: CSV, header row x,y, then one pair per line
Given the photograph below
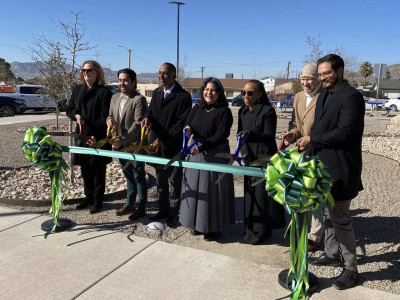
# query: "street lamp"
x,y
177,38
129,50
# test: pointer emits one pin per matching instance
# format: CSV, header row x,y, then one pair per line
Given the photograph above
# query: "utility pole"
x,y
287,74
202,69
177,37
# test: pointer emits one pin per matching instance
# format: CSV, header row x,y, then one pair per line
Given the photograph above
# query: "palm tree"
x,y
365,71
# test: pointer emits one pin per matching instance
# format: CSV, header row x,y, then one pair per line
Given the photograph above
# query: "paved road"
x,y
30,116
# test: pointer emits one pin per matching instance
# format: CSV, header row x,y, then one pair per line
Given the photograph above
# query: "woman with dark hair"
x,y
208,208
89,106
257,128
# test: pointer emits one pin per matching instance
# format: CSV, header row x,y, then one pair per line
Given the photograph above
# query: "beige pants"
x,y
316,228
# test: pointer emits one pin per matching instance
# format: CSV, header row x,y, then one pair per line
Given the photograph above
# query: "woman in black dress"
x,y
89,106
208,208
257,127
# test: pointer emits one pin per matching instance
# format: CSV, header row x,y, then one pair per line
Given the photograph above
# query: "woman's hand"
x,y
79,119
188,130
195,152
288,138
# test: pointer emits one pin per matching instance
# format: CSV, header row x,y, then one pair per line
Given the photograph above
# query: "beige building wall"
x,y
146,89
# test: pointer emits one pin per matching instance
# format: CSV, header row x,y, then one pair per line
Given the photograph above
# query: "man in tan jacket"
x,y
127,109
300,125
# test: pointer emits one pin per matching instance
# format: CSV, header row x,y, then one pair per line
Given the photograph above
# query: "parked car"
x,y
113,88
287,101
10,106
33,96
195,97
393,103
238,101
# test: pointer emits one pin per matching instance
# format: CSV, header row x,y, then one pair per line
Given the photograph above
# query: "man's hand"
x,y
288,138
303,142
195,152
111,122
145,122
116,144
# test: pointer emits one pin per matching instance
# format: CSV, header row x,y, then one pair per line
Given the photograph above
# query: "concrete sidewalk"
x,y
85,262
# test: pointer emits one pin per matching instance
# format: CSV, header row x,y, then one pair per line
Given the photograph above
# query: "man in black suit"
x,y
169,107
336,138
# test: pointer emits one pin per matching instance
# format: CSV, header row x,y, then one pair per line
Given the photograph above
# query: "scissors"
x,y
185,151
233,157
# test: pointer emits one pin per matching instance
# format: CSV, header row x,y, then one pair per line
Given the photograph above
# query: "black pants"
x,y
169,191
94,179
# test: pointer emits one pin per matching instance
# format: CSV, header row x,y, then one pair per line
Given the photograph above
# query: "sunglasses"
x,y
249,93
87,70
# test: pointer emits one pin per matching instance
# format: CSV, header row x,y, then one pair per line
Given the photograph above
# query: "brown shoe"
x,y
137,214
313,246
124,210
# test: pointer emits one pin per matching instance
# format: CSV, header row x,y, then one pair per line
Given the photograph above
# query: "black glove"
x,y
244,134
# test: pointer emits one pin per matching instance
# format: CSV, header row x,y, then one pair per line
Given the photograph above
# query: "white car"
x,y
393,103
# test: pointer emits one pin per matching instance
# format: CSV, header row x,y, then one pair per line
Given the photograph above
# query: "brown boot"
x,y
124,210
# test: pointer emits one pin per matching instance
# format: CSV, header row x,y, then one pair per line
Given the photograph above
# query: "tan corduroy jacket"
x,y
303,118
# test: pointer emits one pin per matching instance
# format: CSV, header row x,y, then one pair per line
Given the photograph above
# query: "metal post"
x,y
177,37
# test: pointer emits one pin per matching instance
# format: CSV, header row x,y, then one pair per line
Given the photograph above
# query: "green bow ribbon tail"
x,y
300,185
45,154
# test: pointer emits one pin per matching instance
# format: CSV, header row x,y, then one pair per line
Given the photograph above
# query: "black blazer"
x,y
93,106
168,117
261,123
336,138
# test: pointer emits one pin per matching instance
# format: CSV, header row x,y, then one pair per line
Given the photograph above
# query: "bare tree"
x,y
56,59
350,60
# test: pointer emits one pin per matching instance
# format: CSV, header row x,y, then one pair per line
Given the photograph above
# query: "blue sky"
x,y
250,39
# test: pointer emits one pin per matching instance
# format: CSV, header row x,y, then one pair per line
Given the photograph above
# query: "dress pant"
x,y
169,191
135,182
339,234
94,179
316,228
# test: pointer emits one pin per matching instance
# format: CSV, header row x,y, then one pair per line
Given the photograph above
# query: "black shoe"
x,y
83,205
157,217
211,236
195,232
172,222
324,260
347,279
95,209
137,214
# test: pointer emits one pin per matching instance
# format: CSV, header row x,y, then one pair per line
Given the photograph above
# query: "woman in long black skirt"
x,y
208,208
257,127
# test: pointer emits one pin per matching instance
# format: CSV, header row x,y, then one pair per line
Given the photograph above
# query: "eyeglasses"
x,y
87,70
249,93
324,74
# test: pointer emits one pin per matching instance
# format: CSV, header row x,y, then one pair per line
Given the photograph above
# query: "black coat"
x,y
261,123
336,138
94,107
168,117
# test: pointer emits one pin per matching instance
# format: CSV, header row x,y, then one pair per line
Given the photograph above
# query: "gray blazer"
x,y
133,112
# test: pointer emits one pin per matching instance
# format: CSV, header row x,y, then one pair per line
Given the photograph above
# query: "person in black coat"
x,y
89,106
169,107
257,128
336,138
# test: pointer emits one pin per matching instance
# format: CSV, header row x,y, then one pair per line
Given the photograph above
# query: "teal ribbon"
x,y
45,154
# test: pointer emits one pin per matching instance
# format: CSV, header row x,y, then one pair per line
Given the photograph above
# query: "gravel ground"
x,y
375,212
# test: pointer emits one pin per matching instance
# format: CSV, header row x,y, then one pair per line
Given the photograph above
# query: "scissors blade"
x,y
261,162
175,158
56,133
224,155
261,180
223,174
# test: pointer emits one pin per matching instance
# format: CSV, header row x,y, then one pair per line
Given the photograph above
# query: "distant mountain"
x,y
28,70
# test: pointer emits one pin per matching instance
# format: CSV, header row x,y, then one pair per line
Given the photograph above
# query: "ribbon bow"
x,y
45,154
300,185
